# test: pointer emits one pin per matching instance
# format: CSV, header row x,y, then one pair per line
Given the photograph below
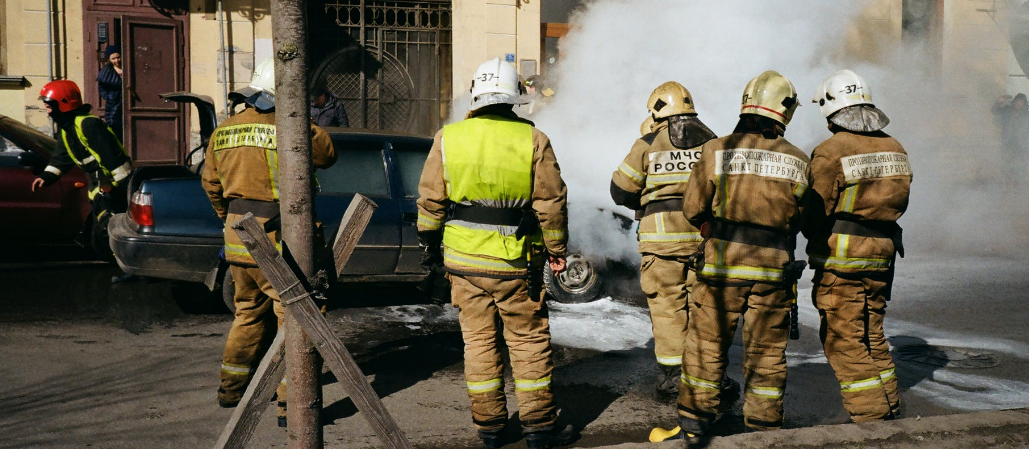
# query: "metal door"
x,y
154,61
393,70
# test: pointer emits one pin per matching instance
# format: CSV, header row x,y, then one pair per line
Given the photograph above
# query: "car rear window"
x,y
410,158
359,169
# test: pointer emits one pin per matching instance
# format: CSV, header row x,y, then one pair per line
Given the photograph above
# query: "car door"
x,y
408,158
361,168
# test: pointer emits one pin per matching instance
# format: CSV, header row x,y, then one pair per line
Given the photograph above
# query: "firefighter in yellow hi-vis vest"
x,y
651,181
861,184
241,175
492,208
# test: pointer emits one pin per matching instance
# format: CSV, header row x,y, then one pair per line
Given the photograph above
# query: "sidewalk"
x,y
1008,429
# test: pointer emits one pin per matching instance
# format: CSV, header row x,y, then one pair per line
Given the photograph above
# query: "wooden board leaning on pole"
x,y
298,301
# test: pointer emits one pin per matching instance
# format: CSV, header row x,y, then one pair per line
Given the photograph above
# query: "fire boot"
x,y
669,380
550,436
728,394
491,438
658,435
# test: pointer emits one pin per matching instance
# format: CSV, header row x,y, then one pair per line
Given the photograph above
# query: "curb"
x,y
1005,428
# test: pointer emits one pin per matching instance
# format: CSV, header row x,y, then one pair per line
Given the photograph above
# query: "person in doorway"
x,y
651,180
326,109
746,195
861,185
240,176
498,176
109,83
85,141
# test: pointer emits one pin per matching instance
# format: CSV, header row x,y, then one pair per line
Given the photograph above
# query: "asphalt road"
x,y
90,364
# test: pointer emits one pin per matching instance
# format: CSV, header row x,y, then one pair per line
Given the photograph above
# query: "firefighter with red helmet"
x,y
91,145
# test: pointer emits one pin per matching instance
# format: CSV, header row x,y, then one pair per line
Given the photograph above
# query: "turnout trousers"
x,y
714,316
851,330
258,317
496,311
667,283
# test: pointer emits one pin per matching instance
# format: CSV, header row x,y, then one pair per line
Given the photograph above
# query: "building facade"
x,y
395,64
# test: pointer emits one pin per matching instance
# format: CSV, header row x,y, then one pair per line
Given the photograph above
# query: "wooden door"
x,y
154,63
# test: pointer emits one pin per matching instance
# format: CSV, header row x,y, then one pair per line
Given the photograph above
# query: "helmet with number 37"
x,y
496,82
846,101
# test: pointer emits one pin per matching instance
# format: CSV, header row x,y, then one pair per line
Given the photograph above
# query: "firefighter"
x,y
746,195
240,176
92,146
651,181
862,180
492,208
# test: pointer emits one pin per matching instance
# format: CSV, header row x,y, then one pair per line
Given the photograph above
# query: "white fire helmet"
x,y
842,89
846,101
770,95
496,82
263,82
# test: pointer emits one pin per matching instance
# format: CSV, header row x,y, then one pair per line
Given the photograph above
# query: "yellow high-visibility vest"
x,y
487,161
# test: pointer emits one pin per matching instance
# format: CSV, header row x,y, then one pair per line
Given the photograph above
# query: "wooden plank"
x,y
355,220
248,413
298,301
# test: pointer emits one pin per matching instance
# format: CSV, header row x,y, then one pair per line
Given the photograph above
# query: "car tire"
x,y
229,291
579,283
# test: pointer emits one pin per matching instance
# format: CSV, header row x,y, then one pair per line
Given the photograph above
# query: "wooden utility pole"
x,y
293,135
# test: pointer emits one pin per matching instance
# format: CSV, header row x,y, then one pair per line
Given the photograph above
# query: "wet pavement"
x,y
88,362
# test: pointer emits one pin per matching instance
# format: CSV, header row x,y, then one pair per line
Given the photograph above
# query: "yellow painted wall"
x,y
247,27
485,29
24,25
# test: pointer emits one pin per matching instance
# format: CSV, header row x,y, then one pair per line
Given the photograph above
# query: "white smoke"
x,y
619,50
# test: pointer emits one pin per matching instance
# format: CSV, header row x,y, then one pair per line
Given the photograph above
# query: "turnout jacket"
x,y
493,160
242,163
747,185
85,141
857,177
652,180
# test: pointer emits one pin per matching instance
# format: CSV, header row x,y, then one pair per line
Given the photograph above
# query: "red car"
x,y
52,215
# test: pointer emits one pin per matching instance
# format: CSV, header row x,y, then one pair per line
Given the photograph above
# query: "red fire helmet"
x,y
63,92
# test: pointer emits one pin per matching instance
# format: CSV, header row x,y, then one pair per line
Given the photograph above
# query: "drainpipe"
x,y
50,39
225,59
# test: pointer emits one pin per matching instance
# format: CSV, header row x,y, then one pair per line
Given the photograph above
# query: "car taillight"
x,y
142,209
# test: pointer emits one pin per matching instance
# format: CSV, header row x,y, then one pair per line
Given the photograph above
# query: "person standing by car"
x,y
862,183
746,195
92,146
326,109
493,208
651,181
240,176
108,82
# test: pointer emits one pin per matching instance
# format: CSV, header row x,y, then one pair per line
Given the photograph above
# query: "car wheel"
x,y
578,283
229,291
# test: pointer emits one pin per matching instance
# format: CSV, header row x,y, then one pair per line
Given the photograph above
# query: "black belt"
x,y
260,209
669,205
872,228
751,235
498,216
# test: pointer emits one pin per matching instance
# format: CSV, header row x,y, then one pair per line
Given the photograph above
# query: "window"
x,y
359,169
410,158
